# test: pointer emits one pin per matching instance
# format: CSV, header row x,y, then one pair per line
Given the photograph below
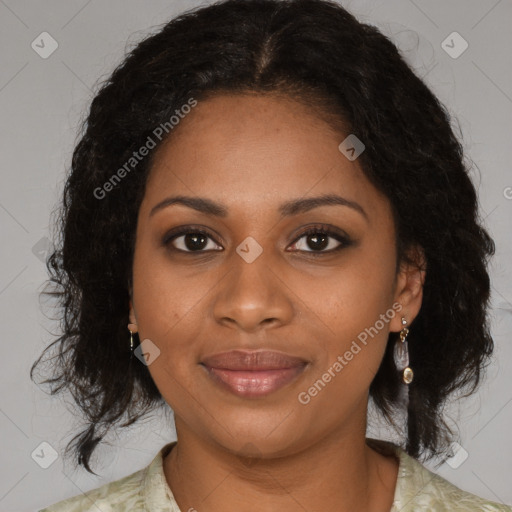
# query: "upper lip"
x,y
253,360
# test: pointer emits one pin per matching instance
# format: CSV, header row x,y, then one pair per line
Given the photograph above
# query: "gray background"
x,y
41,103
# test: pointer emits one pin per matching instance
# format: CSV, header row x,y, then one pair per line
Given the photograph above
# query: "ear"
x,y
409,287
133,319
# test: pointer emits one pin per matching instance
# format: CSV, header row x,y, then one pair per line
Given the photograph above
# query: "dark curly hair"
x,y
318,53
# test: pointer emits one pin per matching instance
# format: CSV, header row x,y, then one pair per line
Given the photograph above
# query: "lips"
x,y
253,361
253,374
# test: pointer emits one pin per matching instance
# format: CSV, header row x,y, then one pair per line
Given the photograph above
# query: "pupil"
x,y
318,245
195,241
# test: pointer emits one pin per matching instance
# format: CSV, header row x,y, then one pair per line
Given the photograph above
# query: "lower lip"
x,y
253,384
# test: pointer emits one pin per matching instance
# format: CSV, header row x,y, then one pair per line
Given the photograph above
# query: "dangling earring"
x,y
401,355
131,337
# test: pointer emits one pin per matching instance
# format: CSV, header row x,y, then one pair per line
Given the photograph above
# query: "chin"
x,y
261,437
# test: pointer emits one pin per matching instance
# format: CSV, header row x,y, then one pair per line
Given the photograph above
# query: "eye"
x,y
321,240
191,240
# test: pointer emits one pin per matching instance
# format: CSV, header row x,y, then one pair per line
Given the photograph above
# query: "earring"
x,y
134,326
401,355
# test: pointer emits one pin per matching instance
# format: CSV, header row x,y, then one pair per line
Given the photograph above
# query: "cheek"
x,y
166,312
165,308
354,294
163,294
355,308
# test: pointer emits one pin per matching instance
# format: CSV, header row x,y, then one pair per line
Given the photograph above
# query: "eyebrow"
x,y
287,209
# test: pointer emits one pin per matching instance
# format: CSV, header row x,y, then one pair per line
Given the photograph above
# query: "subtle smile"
x,y
253,374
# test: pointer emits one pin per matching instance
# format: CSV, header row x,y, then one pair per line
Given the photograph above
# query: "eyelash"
x,y
344,240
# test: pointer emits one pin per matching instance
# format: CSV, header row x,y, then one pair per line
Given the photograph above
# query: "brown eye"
x,y
321,240
193,240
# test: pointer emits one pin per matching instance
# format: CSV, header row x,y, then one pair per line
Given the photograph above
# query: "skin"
x,y
251,153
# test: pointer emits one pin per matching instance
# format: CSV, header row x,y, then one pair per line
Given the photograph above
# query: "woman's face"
x,y
326,301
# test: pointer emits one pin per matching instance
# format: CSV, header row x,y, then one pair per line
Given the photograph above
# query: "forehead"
x,y
256,150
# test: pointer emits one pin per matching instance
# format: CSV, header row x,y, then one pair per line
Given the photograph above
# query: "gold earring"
x,y
134,326
401,354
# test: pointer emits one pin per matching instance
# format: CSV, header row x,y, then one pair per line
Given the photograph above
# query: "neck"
x,y
339,473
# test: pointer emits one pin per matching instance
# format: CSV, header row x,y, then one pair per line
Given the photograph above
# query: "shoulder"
x,y
433,492
418,488
125,492
134,492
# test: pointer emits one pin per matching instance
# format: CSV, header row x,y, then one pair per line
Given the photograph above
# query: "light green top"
x,y
147,490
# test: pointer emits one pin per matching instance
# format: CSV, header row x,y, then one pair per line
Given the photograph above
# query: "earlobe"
x,y
133,319
409,291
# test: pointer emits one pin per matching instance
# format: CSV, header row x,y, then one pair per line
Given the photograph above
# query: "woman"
x,y
268,221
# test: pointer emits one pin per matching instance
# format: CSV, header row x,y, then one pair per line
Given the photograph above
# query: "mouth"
x,y
253,374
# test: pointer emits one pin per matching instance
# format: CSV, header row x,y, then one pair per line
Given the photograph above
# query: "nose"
x,y
253,296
